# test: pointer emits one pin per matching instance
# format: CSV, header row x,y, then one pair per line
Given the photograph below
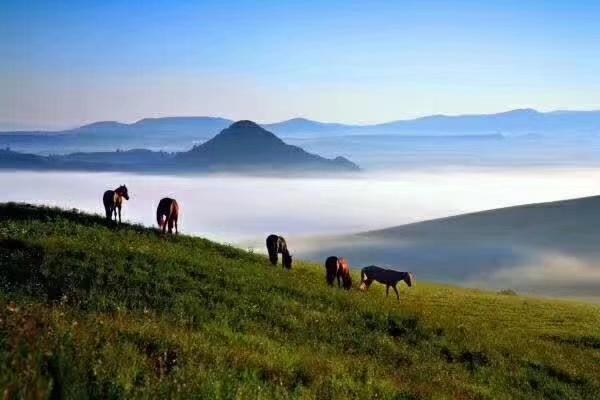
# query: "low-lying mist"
x,y
243,210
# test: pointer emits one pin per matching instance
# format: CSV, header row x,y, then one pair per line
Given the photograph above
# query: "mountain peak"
x,y
103,125
246,145
244,124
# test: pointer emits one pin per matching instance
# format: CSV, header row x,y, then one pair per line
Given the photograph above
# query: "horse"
x,y
386,276
338,268
167,213
275,245
113,201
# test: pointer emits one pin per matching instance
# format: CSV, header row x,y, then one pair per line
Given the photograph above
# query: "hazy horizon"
x,y
9,125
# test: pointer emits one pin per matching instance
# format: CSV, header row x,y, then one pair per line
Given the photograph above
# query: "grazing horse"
x,y
167,213
275,245
386,276
338,268
113,201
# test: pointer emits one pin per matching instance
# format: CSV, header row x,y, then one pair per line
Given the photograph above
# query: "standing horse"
x,y
275,245
386,276
113,201
338,268
167,213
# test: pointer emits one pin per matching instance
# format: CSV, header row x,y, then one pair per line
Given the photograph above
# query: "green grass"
x,y
88,311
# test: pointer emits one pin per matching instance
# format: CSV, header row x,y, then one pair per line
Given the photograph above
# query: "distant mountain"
x,y
169,134
178,133
305,128
547,248
246,145
242,147
510,123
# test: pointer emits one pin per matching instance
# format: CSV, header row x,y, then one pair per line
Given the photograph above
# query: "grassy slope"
x,y
91,311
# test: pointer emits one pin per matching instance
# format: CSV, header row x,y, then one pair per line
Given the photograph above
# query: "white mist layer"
x,y
239,208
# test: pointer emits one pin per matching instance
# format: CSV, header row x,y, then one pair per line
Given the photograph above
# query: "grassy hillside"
x,y
88,311
476,246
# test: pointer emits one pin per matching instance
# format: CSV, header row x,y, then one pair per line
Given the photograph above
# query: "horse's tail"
x,y
272,249
159,217
331,266
107,201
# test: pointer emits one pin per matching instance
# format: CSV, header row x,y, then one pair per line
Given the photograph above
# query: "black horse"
x,y
388,277
167,213
113,201
275,245
337,267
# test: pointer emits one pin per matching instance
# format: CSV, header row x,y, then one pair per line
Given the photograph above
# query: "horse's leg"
x,y
387,290
397,294
176,229
119,214
170,225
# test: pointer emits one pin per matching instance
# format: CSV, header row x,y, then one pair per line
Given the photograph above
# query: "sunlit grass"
x,y
93,311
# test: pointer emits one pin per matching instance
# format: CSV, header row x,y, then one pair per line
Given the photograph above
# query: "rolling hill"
x,y
548,248
95,311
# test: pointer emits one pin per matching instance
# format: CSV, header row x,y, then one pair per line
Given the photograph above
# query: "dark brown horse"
x,y
338,268
167,213
276,245
388,277
113,201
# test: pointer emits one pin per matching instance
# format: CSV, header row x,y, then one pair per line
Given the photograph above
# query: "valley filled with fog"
x,y
242,210
235,209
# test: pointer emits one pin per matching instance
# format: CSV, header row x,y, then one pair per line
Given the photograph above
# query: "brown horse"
x,y
113,201
386,276
338,268
276,245
167,213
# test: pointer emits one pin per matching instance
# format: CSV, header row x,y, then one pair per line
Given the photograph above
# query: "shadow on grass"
x,y
584,342
554,383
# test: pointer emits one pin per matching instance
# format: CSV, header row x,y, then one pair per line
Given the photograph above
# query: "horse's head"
x,y
410,279
122,191
287,260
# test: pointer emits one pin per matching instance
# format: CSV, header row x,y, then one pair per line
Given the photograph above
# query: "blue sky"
x,y
65,63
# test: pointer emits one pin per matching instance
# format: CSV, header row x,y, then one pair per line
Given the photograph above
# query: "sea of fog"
x,y
243,210
236,209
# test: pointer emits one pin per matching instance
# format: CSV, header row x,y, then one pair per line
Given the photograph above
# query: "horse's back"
x,y
372,270
387,276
